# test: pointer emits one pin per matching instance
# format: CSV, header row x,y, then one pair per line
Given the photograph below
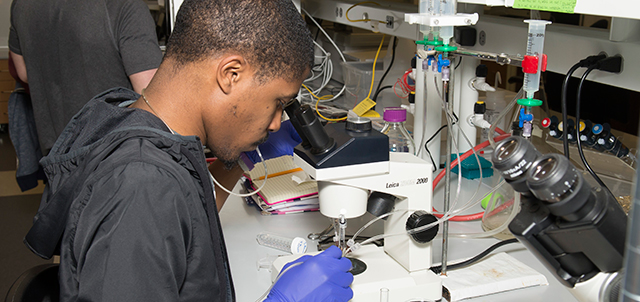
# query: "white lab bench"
x,y
241,223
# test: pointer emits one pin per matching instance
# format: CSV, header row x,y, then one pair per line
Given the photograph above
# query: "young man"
x,y
129,194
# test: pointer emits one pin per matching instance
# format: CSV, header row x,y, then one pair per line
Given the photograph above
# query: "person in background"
x,y
68,51
130,205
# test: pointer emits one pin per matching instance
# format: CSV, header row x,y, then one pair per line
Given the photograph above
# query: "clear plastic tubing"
x,y
295,245
535,46
501,116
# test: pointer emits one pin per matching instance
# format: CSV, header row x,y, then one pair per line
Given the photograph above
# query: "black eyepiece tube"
x,y
291,112
314,131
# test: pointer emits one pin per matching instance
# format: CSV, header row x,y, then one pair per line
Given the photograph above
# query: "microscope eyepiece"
x,y
313,130
513,157
551,178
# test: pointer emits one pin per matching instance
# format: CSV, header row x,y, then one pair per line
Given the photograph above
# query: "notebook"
x,y
285,183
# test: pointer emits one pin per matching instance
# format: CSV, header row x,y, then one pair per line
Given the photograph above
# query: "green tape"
x,y
561,6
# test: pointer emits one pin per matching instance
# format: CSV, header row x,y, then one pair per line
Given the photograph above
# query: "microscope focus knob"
x,y
358,124
418,219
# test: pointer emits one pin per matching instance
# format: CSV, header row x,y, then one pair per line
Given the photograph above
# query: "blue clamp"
x,y
524,117
442,62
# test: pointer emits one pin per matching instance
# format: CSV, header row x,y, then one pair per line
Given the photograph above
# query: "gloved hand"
x,y
278,144
323,277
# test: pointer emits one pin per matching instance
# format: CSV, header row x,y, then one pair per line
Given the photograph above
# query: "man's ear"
x,y
231,70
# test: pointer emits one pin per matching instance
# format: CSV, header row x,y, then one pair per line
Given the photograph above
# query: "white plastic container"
x,y
295,245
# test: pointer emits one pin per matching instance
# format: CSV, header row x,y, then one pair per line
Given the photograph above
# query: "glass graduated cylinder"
x,y
535,47
295,245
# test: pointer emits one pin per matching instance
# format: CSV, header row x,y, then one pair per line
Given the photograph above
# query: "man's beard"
x,y
230,163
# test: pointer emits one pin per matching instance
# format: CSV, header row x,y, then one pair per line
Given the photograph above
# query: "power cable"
x,y
393,56
458,64
318,32
375,96
438,269
586,62
578,141
563,103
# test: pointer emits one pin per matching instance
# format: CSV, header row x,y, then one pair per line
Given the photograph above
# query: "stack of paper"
x,y
288,189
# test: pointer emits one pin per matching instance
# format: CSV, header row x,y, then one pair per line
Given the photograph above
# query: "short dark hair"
x,y
270,34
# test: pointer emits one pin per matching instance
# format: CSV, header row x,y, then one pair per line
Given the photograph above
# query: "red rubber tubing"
x,y
440,175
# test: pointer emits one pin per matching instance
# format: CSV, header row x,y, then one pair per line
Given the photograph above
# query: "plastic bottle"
x,y
295,245
399,138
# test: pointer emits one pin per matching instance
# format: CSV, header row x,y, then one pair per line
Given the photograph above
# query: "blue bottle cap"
x,y
597,129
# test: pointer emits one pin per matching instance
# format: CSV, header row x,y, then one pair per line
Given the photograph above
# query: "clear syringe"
x,y
535,45
448,8
431,7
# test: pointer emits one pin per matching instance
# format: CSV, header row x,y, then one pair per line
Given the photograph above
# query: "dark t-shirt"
x,y
75,49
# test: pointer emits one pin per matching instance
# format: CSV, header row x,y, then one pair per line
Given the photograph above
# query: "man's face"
x,y
256,110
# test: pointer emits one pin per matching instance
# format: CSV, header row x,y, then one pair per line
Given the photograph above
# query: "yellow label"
x,y
561,6
364,106
371,113
582,125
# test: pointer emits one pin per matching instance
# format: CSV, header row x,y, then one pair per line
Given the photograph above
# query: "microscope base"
x,y
383,272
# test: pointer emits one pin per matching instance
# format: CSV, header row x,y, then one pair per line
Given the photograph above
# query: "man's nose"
x,y
274,126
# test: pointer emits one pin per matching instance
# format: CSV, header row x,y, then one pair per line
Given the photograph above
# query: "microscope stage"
x,y
384,272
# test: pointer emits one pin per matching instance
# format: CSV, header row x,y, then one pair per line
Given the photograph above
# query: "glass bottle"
x,y
399,138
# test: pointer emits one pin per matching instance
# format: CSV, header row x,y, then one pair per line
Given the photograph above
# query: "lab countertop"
x,y
241,223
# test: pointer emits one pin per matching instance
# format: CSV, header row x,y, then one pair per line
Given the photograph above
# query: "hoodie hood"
x,y
91,136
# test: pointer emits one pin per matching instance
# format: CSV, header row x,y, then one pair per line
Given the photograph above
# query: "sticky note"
x,y
364,106
561,6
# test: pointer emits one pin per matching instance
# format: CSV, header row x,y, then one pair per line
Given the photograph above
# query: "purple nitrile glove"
x,y
321,278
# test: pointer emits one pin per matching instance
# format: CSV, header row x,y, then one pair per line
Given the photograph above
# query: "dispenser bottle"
x,y
399,138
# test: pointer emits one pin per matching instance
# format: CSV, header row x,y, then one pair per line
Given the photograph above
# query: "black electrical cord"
x,y
432,137
435,166
438,269
318,32
458,64
586,62
393,57
563,103
584,160
375,96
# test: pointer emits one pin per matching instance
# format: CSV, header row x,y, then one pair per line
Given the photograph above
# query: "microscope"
x,y
350,161
576,231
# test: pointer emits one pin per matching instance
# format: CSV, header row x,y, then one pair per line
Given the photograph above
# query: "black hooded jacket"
x,y
130,208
